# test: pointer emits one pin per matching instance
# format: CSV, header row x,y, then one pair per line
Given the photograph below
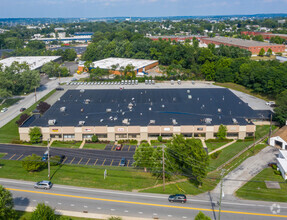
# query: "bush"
x,y
274,167
43,107
33,163
22,119
35,135
277,172
249,138
144,141
114,218
43,212
145,144
95,138
216,154
159,138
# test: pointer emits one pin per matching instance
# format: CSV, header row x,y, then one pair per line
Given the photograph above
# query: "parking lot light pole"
x,y
163,172
49,159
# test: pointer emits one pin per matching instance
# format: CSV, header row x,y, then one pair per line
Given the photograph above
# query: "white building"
x,y
34,62
282,163
279,138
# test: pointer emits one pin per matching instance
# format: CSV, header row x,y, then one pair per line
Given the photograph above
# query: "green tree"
x,y
69,55
36,45
95,138
156,163
35,135
33,163
222,132
261,52
269,52
6,204
281,109
51,69
201,216
43,212
142,157
159,138
188,157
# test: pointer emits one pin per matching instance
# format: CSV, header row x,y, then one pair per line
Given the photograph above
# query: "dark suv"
x,y
177,198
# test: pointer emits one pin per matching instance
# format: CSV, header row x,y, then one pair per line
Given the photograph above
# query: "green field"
x,y
95,146
256,188
119,178
211,146
67,144
9,132
9,102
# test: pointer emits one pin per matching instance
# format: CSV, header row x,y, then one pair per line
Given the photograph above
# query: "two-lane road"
x,y
134,205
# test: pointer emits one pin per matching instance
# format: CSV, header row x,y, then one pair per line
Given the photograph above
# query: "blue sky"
x,y
139,8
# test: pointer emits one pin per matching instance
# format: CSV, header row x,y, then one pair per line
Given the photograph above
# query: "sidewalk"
x,y
222,147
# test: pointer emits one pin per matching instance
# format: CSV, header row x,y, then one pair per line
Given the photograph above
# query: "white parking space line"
x,y
99,208
59,203
140,213
169,216
46,202
85,206
72,205
34,200
126,211
112,210
154,213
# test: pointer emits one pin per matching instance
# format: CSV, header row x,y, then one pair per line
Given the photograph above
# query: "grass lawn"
x,y
27,215
119,178
227,153
214,145
95,146
10,131
258,58
240,88
256,188
188,187
9,102
67,144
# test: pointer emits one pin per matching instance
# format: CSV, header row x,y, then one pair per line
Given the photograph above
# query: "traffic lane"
x,y
118,207
125,199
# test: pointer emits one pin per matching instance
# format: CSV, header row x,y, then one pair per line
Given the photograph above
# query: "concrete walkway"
x,y
82,144
222,147
247,170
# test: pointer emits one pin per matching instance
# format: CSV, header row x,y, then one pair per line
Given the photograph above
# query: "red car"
x,y
119,147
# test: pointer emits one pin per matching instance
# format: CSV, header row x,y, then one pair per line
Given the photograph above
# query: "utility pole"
x,y
49,159
220,198
163,172
35,95
270,129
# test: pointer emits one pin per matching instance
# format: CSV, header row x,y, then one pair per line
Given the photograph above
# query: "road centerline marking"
x,y
149,204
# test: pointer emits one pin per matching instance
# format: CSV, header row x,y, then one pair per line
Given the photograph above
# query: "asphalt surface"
x,y
91,157
136,205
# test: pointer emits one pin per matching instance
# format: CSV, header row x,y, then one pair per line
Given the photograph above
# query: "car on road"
x,y
123,162
22,109
4,109
119,147
43,185
177,198
59,88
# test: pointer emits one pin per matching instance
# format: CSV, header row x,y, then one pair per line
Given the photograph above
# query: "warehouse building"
x,y
264,34
174,38
139,65
34,62
144,114
253,46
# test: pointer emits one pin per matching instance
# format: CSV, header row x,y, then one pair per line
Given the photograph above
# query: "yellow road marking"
x,y
72,160
129,148
104,162
19,157
149,204
80,160
112,162
12,156
128,163
95,162
88,161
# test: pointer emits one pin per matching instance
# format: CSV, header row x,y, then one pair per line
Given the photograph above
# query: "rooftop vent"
x,y
188,91
223,98
52,122
197,99
126,121
234,121
149,109
162,106
152,121
63,109
82,109
115,118
87,101
81,123
108,110
130,106
174,122
174,99
219,110
101,120
208,120
189,96
82,91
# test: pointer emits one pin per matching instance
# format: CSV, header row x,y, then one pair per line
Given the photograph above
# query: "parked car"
x,y
123,162
177,198
119,147
4,109
22,109
59,88
43,185
45,156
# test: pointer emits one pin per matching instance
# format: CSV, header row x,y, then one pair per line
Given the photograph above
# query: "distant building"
x,y
279,139
174,38
79,39
4,51
253,46
139,65
267,35
34,62
83,33
79,50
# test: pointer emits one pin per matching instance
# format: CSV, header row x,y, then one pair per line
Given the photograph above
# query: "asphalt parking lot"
x,y
131,148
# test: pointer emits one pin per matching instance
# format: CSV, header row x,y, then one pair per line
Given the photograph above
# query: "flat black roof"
x,y
79,50
140,106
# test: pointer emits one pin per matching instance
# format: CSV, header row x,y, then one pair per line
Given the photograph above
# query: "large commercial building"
x,y
174,38
144,114
264,34
34,62
253,46
139,65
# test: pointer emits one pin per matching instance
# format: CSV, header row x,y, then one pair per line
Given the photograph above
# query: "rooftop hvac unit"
x,y
174,122
81,123
63,109
87,101
219,110
149,109
189,96
130,106
126,121
208,120
82,91
108,110
52,122
152,121
188,91
234,121
162,106
101,120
